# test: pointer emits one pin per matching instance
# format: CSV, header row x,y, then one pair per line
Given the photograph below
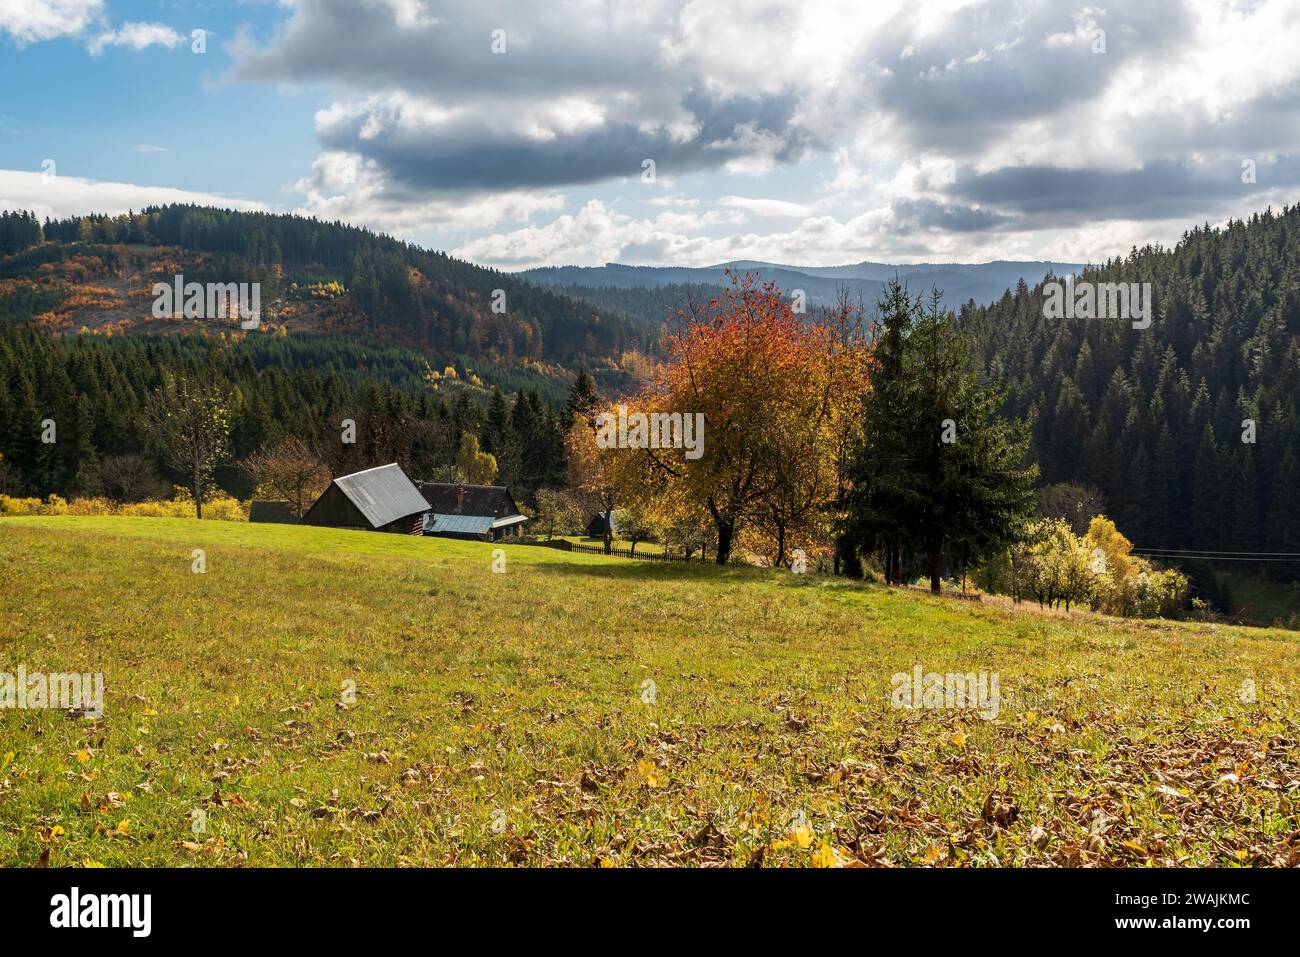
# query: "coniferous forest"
x,y
1189,429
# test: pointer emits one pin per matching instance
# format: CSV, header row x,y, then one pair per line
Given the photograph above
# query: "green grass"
x,y
499,718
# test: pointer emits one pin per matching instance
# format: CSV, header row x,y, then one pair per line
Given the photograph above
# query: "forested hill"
x,y
94,271
1154,418
648,292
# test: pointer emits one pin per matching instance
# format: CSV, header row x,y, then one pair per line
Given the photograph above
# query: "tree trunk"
x,y
934,568
198,496
780,547
726,529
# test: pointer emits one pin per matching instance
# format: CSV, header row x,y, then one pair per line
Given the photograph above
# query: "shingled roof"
x,y
383,494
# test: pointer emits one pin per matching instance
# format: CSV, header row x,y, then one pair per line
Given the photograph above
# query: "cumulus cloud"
x,y
423,143
31,21
350,187
565,100
948,125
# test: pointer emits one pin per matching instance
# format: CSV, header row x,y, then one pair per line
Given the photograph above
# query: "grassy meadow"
x,y
582,710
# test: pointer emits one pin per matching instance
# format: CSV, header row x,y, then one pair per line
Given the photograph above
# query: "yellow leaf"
x,y
149,712
4,762
123,827
648,773
83,755
608,862
87,862
57,831
803,836
959,738
932,855
825,856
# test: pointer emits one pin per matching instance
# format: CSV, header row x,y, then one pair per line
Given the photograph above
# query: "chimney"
x,y
460,495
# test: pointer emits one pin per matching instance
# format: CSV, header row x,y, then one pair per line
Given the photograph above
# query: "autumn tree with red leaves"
x,y
775,391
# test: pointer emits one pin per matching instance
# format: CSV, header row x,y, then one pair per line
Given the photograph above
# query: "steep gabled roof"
x,y
486,500
383,494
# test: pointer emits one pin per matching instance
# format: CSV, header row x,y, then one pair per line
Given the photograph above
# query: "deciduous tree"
x,y
190,424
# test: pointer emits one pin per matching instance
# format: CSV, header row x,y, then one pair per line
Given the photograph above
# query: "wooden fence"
x,y
565,545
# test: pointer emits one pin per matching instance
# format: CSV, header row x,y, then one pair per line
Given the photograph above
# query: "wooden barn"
x,y
381,499
483,512
280,513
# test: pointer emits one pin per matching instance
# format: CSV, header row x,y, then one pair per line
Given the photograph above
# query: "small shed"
x,y
279,513
471,511
596,527
381,499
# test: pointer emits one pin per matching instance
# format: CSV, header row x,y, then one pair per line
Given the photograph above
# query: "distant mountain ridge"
x,y
959,282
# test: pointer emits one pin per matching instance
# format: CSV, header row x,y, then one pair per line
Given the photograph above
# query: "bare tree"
x,y
129,478
290,471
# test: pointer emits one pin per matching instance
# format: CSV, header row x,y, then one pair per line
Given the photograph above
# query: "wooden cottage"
x,y
381,499
483,512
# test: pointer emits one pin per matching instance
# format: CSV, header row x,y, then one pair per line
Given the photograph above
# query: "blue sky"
x,y
813,132
156,116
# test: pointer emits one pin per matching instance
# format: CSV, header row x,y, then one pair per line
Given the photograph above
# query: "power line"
x,y
1211,551
1282,557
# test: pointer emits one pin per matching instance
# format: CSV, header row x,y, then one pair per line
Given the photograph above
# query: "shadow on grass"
x,y
661,571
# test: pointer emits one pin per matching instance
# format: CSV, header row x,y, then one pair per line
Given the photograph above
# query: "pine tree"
x,y
937,468
582,399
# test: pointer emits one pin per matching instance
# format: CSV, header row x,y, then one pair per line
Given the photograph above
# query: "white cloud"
x,y
59,196
137,36
945,127
767,207
30,21
354,189
598,234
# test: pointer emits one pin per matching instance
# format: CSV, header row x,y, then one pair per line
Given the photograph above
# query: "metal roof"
x,y
462,524
383,494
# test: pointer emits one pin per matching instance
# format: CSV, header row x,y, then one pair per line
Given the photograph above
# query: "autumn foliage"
x,y
776,392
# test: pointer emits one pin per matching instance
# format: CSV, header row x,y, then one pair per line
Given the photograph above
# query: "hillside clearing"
x,y
582,710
